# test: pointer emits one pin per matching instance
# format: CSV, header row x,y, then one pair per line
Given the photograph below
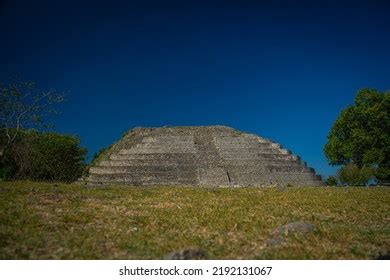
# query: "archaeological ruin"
x,y
199,156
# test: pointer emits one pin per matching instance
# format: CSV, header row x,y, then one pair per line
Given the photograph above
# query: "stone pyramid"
x,y
199,156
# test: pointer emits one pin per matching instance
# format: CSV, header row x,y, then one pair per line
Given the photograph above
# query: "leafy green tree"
x,y
352,175
361,134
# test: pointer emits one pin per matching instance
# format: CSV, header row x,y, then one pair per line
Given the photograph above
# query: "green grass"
x,y
58,221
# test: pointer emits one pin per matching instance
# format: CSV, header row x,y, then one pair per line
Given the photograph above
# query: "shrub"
x,y
7,170
331,181
382,174
351,174
45,156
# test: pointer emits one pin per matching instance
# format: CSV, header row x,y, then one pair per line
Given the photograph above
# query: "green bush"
x,y
331,181
7,171
382,174
44,156
352,175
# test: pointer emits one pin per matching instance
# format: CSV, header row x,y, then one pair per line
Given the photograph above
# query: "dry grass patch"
x,y
56,221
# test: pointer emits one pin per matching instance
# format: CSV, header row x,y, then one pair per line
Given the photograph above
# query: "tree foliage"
x,y
352,175
360,134
23,105
331,181
44,156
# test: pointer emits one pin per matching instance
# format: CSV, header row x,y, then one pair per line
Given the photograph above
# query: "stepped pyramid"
x,y
199,155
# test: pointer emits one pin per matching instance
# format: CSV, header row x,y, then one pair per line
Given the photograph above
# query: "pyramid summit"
x,y
198,156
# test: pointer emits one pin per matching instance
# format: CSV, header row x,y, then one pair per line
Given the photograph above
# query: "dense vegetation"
x,y
26,153
360,136
351,174
50,221
43,156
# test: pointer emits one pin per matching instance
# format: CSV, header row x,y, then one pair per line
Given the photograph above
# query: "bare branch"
x,y
22,104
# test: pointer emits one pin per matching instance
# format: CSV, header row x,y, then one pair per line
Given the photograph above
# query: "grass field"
x,y
56,221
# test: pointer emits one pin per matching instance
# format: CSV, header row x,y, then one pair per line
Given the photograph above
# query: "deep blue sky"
x,y
282,70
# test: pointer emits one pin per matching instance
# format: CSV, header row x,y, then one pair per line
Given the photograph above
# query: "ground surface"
x,y
54,221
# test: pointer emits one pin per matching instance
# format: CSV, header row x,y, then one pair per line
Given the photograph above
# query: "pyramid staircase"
x,y
206,156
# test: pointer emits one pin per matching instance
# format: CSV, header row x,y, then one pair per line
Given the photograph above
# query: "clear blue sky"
x,y
282,70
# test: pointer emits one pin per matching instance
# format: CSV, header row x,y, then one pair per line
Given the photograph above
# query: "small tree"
x,y
360,134
352,175
23,105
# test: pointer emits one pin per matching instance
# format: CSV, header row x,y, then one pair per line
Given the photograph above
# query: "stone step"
x,y
262,162
289,168
237,144
148,162
157,150
245,150
167,180
142,180
173,138
192,163
243,137
166,156
286,176
172,162
278,156
254,156
188,170
248,177
244,179
140,174
269,169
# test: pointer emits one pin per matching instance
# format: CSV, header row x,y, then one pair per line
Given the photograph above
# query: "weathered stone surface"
x,y
295,227
280,233
199,156
187,254
273,242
